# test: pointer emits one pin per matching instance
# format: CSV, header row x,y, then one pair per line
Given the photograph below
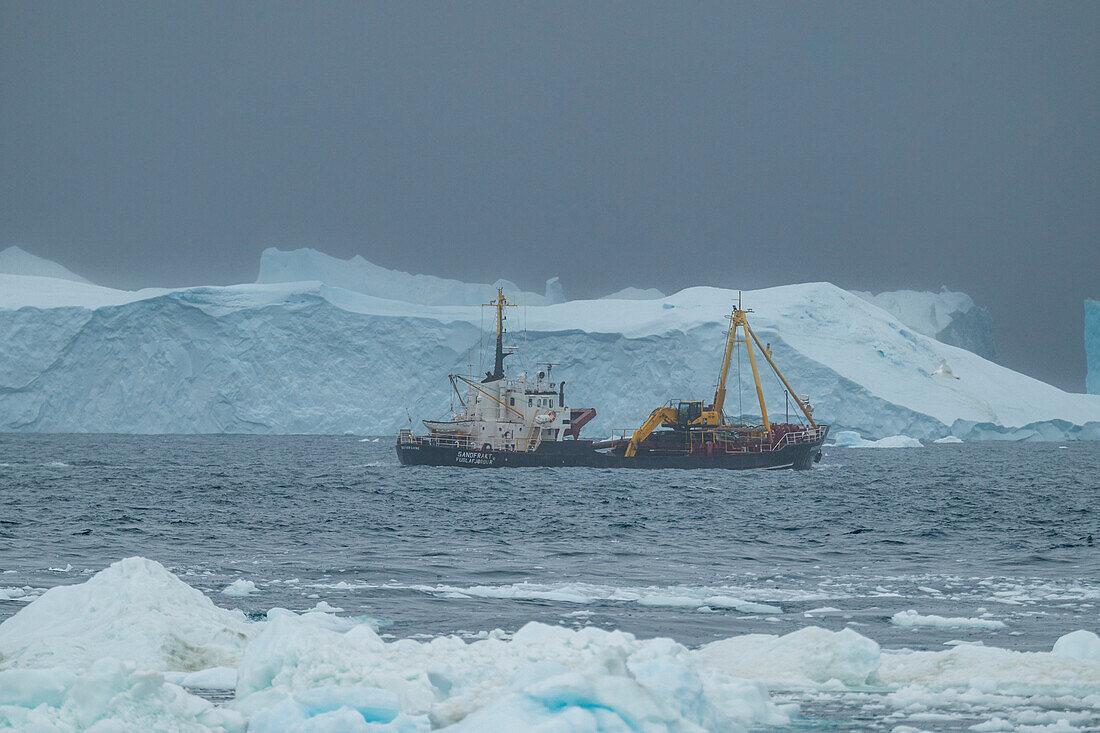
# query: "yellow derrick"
x,y
714,417
794,395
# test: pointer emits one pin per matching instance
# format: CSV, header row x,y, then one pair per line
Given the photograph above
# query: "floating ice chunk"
x,y
947,439
574,701
334,708
988,670
808,657
1080,644
912,619
109,696
324,607
240,588
659,599
542,675
302,652
516,591
739,604
673,596
26,594
993,725
852,439
133,610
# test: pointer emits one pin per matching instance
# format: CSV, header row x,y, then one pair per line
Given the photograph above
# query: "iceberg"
x,y
852,439
947,316
635,294
362,276
16,261
105,655
1092,345
314,357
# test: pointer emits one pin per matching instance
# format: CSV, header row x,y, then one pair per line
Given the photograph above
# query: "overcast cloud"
x,y
877,146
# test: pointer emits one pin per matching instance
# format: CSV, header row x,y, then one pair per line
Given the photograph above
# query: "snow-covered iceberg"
x,y
361,276
947,316
1092,345
77,658
852,439
17,261
311,357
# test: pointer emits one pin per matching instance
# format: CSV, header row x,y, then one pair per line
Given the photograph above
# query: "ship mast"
x,y
498,363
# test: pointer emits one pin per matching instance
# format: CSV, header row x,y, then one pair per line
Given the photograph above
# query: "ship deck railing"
x,y
752,440
465,442
809,435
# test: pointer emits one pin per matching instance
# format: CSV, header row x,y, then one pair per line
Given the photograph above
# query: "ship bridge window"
x,y
529,403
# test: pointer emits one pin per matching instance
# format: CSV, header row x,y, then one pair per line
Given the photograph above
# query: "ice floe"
x,y
1080,644
240,588
743,599
911,618
122,650
135,610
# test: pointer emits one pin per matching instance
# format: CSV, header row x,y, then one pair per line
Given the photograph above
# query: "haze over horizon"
x,y
876,147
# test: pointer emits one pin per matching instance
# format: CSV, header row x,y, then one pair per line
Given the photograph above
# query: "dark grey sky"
x,y
877,146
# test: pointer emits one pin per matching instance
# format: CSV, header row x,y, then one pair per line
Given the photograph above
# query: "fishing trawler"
x,y
522,422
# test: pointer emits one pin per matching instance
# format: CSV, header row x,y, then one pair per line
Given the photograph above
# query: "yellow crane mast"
x,y
684,416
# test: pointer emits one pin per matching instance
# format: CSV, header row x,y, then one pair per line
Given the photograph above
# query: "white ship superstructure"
x,y
499,413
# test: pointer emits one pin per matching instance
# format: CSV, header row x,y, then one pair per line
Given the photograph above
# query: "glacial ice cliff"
x,y
311,357
946,316
1092,345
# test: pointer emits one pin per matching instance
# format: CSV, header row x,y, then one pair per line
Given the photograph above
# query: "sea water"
x,y
917,548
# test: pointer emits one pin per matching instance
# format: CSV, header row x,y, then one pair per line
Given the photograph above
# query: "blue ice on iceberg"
x,y
250,358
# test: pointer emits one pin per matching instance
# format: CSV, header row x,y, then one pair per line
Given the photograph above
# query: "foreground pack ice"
x,y
308,357
115,650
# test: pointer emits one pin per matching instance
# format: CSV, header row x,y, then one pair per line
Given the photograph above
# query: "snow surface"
x,y
249,358
947,439
119,651
1092,345
948,316
15,261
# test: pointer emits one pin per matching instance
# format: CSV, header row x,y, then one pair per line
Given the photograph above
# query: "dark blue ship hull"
x,y
799,456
